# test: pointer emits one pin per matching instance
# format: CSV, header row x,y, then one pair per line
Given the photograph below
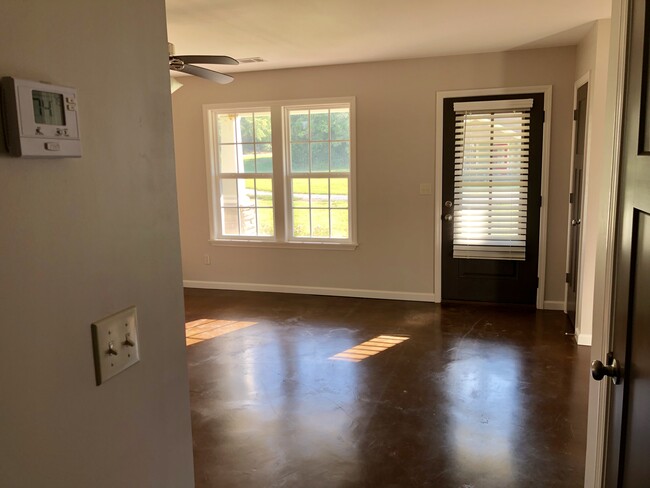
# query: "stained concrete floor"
x,y
311,391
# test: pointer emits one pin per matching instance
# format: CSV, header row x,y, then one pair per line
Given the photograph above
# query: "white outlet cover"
x,y
115,344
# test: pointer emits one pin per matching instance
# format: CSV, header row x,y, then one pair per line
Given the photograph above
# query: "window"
x,y
319,171
298,191
491,179
242,158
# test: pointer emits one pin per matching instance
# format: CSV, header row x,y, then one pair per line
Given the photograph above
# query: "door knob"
x,y
449,218
611,369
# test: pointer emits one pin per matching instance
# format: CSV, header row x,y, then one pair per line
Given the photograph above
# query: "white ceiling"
x,y
293,33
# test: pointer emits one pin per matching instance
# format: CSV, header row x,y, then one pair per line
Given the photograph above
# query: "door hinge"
x,y
567,278
575,114
571,197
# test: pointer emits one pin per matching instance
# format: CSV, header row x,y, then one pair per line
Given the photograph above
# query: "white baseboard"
x,y
312,290
583,339
553,305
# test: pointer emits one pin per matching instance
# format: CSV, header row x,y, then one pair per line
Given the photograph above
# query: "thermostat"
x,y
40,120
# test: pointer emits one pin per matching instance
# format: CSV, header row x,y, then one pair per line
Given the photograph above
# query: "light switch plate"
x,y
115,344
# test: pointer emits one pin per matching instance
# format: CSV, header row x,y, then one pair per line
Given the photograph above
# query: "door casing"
x,y
547,90
601,343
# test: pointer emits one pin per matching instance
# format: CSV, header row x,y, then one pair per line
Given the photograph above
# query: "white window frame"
x,y
330,174
214,192
281,176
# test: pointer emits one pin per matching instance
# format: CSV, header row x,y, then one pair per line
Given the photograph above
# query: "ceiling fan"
x,y
185,64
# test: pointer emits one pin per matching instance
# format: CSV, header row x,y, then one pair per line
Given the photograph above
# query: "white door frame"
x,y
597,417
547,90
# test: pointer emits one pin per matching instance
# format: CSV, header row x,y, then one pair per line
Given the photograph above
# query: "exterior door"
x,y
628,441
491,190
575,200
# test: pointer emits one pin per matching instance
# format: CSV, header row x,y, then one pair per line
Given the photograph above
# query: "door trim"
x,y
547,90
584,79
599,390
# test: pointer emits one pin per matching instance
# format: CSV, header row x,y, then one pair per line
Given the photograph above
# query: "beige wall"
x,y
592,57
83,238
396,103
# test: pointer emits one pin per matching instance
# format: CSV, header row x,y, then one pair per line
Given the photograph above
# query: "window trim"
x,y
283,237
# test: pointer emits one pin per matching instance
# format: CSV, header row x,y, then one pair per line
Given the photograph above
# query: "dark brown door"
x,y
628,444
485,279
576,199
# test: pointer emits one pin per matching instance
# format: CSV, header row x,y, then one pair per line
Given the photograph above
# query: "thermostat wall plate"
x,y
40,120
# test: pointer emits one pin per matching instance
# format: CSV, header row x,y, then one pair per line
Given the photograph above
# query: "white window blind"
x,y
491,179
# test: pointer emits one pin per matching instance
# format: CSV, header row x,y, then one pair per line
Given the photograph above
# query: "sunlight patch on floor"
x,y
369,348
204,329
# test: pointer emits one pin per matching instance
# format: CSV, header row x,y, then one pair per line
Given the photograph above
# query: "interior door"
x,y
628,441
575,200
474,277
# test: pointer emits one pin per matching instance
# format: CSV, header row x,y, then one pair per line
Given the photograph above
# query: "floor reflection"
x,y
484,409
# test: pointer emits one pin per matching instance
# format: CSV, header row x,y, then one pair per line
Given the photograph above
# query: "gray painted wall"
x,y
83,238
396,115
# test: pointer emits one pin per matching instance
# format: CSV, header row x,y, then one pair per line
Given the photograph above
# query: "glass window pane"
x,y
262,127
228,158
300,192
340,156
320,223
247,222
230,221
300,158
245,132
299,125
339,193
320,192
265,222
248,153
228,193
264,158
320,157
340,121
226,129
340,224
246,192
301,223
320,125
264,192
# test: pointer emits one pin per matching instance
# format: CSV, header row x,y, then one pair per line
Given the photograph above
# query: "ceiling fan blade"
x,y
207,59
207,74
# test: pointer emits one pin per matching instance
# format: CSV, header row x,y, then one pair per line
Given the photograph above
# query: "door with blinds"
x,y
492,164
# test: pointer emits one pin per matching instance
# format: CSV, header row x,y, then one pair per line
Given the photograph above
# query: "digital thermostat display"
x,y
48,108
40,120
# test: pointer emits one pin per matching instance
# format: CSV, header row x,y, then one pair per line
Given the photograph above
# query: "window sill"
x,y
329,246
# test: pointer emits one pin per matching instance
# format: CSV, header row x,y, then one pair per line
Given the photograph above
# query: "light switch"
x,y
115,344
